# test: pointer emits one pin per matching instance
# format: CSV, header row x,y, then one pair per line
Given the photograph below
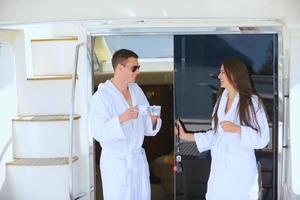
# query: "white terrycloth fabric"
x,y
123,163
233,172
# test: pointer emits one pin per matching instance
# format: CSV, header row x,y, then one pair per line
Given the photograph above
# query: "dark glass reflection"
x,y
197,61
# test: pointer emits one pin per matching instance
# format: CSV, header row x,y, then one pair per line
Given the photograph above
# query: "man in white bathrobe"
x,y
120,128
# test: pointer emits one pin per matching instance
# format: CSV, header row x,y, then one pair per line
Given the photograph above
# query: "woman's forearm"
x,y
188,137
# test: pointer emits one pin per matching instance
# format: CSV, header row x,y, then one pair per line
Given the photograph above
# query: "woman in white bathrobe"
x,y
119,127
239,126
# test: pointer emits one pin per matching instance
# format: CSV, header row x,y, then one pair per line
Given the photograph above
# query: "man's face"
x,y
131,70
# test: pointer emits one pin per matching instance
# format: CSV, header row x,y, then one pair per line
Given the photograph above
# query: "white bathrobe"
x,y
123,164
234,172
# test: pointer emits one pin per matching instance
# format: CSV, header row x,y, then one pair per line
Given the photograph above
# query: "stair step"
x,y
44,136
55,39
41,180
45,118
44,97
53,56
50,77
41,161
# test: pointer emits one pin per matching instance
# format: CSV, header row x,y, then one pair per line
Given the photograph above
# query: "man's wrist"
x,y
121,120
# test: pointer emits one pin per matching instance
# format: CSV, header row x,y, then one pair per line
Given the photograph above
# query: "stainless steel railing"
x,y
71,127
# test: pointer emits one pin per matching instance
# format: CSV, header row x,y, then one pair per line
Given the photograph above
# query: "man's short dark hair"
x,y
121,56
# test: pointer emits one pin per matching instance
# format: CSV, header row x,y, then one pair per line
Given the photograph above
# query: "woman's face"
x,y
223,78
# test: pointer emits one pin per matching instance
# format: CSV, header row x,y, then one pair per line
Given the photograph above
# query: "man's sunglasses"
x,y
134,68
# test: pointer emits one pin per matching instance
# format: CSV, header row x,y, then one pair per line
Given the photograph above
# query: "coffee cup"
x,y
155,110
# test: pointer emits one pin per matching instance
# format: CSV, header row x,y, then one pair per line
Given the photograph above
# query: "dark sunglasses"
x,y
135,67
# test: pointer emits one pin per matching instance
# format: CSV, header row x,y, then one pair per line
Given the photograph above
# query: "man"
x,y
120,128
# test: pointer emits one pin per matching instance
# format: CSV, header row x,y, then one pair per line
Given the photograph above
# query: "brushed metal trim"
x,y
45,118
41,161
55,39
50,77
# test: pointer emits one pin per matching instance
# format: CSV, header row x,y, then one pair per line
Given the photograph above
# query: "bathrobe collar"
x,y
114,89
232,112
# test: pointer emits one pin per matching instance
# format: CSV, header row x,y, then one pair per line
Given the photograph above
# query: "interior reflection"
x,y
156,81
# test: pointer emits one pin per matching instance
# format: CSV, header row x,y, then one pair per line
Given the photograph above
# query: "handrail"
x,y
71,127
80,196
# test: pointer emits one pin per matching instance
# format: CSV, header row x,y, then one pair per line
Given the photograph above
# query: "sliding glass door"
x,y
197,60
179,71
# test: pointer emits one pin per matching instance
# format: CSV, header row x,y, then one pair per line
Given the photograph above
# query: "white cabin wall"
x,y
294,138
82,103
7,98
291,13
17,11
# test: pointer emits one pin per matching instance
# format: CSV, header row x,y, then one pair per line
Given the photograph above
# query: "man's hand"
x,y
130,113
228,126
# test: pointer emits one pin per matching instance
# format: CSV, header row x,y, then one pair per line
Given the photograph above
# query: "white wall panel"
x,y
53,57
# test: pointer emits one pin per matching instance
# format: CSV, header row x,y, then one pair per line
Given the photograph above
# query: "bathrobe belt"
x,y
129,156
132,156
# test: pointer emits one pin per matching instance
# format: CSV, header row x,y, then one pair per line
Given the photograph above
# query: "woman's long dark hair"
x,y
238,76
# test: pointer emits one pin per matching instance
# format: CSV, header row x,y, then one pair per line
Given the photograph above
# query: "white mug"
x,y
155,110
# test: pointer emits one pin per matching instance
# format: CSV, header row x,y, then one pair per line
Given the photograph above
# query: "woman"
x,y
239,126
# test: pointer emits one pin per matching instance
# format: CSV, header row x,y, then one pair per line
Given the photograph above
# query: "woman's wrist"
x,y
238,129
188,137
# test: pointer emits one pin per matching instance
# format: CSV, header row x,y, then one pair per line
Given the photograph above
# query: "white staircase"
x,y
40,167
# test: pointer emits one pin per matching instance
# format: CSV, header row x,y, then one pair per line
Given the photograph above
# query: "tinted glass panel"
x,y
197,61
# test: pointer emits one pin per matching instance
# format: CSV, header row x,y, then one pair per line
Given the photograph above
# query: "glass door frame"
x,y
282,83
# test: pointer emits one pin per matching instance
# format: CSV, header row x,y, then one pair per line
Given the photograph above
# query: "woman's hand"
x,y
182,134
228,126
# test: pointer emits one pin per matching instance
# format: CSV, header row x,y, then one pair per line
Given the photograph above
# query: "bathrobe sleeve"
x,y
204,141
251,138
105,129
149,129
